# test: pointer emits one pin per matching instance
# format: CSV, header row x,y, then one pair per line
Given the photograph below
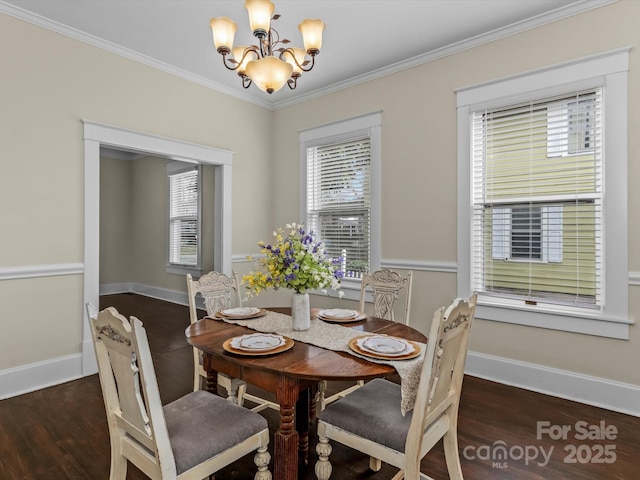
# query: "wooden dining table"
x,y
293,377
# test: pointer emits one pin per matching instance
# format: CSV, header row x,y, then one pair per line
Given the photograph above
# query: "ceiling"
x,y
362,39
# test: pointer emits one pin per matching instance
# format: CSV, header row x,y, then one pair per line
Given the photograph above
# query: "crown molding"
x,y
518,27
575,8
111,47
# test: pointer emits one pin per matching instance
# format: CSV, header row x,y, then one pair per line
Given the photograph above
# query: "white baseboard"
x,y
598,392
35,376
113,288
173,296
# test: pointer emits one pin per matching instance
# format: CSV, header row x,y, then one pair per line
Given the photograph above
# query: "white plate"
x,y
412,350
339,313
358,317
385,345
258,342
240,311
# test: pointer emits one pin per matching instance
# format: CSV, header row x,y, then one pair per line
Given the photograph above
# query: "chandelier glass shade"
x,y
271,64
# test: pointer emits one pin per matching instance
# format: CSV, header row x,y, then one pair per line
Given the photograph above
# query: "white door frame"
x,y
97,135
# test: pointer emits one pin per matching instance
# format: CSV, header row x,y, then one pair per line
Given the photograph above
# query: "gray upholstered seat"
x,y
373,412
386,288
202,425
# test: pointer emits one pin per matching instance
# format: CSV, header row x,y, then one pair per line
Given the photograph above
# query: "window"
x,y
339,200
340,192
544,240
545,212
184,217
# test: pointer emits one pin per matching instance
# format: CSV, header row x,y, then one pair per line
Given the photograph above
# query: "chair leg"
x,y
323,466
320,402
118,466
234,386
262,459
323,401
196,381
452,455
242,389
375,464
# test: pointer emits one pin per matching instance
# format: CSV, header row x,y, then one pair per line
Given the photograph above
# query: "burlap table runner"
x,y
336,337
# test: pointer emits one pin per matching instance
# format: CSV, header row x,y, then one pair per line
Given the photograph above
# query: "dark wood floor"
x,y
61,432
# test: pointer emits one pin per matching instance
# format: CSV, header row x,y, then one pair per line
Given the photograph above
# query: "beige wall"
x,y
49,83
53,82
419,174
116,222
134,223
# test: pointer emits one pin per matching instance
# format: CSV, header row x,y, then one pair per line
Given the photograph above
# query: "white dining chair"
x,y
190,438
216,289
386,287
370,419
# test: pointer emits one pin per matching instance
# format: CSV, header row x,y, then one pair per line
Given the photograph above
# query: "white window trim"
x,y
370,124
176,268
610,70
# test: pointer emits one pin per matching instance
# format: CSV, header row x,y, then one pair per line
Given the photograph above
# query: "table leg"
x,y
212,376
313,399
302,425
285,462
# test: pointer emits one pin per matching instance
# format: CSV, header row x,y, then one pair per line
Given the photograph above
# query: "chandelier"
x,y
269,65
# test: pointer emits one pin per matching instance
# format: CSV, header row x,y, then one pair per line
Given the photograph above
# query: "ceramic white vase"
x,y
300,312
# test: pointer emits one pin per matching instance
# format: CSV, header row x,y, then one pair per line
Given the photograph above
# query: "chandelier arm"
x,y
313,62
224,62
250,48
246,81
292,83
301,67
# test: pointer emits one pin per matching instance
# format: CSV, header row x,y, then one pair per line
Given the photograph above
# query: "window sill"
x,y
600,326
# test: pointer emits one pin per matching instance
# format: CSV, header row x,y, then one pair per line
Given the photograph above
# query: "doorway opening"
x,y
97,136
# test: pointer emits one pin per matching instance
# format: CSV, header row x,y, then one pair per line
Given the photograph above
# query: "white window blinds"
x,y
183,217
537,200
339,200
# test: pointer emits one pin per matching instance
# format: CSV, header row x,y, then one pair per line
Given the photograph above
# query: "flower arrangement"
x,y
297,261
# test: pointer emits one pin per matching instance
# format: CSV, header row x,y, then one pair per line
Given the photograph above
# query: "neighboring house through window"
x,y
543,239
184,217
340,197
